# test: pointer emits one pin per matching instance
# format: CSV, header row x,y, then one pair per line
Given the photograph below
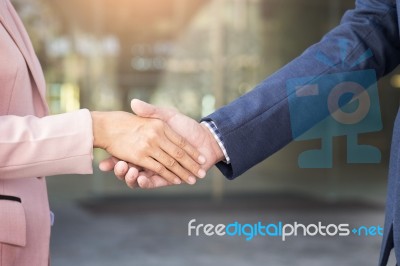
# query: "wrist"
x,y
219,155
99,141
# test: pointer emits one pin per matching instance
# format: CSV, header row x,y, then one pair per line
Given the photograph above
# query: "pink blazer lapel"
x,y
12,23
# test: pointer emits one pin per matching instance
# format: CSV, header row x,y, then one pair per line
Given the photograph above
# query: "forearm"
x,y
53,145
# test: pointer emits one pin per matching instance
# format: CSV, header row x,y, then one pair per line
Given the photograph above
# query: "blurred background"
x,y
197,55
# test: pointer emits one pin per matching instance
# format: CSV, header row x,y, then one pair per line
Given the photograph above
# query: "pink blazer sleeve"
x,y
52,145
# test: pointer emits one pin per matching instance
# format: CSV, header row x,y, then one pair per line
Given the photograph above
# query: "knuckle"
x,y
152,135
157,155
170,163
142,148
181,142
160,169
179,153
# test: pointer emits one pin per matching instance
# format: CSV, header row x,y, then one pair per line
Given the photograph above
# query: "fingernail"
x,y
202,159
201,173
192,180
177,181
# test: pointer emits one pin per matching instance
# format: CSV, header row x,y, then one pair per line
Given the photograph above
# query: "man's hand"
x,y
147,143
198,135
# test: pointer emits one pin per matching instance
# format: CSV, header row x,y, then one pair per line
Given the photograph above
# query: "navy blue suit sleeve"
x,y
257,124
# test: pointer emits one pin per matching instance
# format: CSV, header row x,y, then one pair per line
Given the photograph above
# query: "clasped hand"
x,y
201,149
148,143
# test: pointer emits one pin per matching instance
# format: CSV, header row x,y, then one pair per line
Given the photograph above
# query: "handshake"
x,y
156,147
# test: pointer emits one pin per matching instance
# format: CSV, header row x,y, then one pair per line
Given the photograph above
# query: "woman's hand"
x,y
148,143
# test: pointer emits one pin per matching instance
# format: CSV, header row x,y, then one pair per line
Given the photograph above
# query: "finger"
x,y
121,169
133,173
144,182
171,164
131,177
186,146
158,181
160,169
176,149
143,178
108,164
150,182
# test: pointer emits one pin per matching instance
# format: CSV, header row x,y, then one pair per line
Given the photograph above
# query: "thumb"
x,y
144,109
